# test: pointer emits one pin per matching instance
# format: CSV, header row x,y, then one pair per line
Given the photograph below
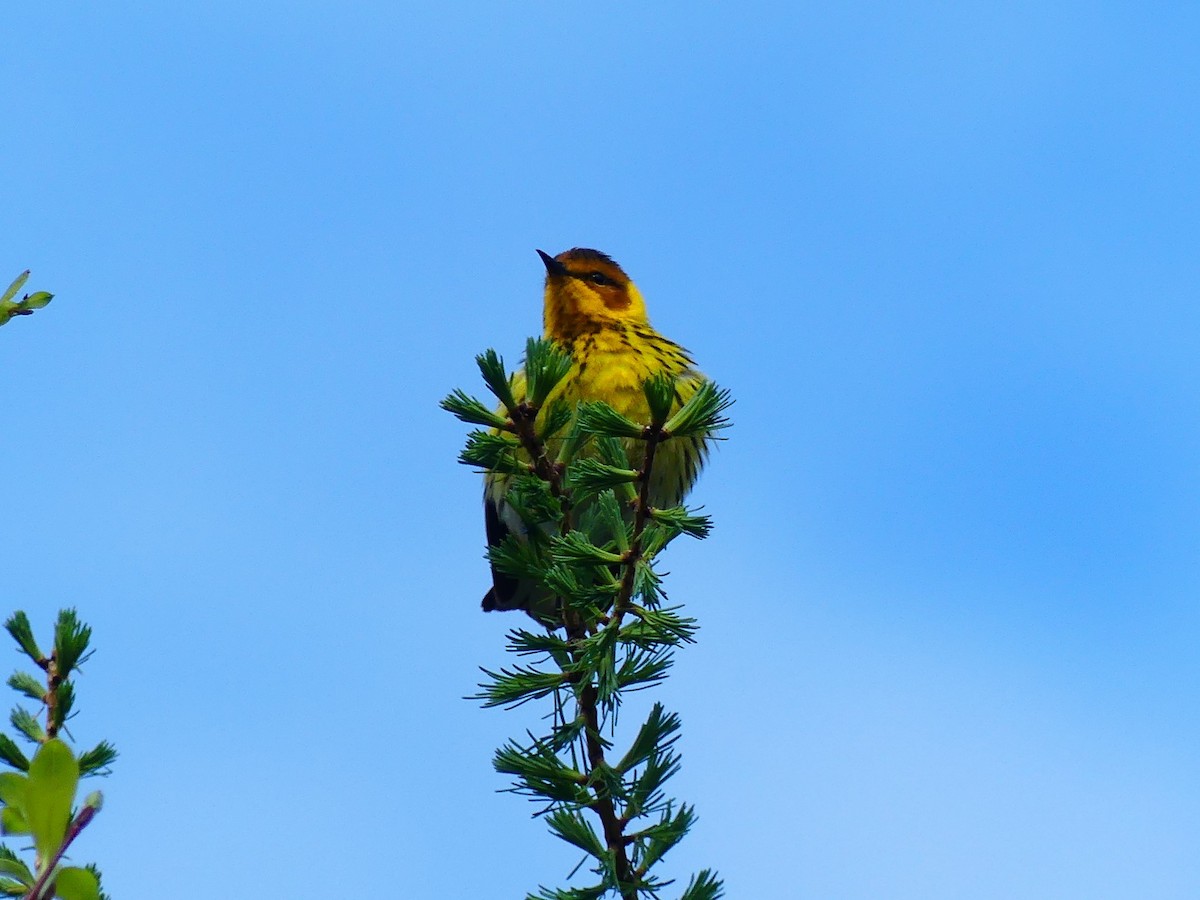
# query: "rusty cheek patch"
x,y
613,296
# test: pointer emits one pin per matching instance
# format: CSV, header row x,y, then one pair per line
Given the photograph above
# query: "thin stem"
x,y
577,626
524,419
81,821
614,826
640,517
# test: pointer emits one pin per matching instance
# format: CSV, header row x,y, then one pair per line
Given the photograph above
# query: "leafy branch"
x,y
26,305
581,481
39,797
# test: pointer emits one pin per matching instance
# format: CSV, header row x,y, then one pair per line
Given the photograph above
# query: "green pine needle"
x,y
527,643
18,626
574,548
518,685
659,731
11,754
599,418
612,452
71,639
26,723
517,558
685,522
666,834
467,409
644,794
534,501
646,585
97,760
607,512
546,364
589,893
574,829
540,773
582,534
27,684
660,395
493,452
702,414
562,581
704,885
558,415
592,476
658,626
64,701
491,366
642,668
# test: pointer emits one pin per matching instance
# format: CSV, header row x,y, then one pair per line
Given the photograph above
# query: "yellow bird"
x,y
596,313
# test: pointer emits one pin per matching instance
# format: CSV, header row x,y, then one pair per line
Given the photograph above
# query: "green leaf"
x,y
12,789
12,821
14,868
11,754
50,793
37,300
17,284
73,883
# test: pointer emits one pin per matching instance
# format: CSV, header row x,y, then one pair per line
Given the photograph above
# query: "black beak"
x,y
553,266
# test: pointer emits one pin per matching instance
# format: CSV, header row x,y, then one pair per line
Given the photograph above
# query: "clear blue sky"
x,y
945,256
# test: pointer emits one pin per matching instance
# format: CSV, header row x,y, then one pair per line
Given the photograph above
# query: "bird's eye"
x,y
599,278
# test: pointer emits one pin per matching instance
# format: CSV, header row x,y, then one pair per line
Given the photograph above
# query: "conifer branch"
x,y
590,543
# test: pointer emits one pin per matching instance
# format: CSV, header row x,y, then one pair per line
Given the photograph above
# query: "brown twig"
x,y
53,681
524,418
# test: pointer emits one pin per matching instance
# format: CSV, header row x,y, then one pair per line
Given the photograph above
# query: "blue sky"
x,y
943,255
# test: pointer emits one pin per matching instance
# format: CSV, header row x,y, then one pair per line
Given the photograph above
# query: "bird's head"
x,y
587,292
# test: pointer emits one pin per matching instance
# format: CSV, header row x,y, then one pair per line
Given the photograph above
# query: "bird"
x,y
594,312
